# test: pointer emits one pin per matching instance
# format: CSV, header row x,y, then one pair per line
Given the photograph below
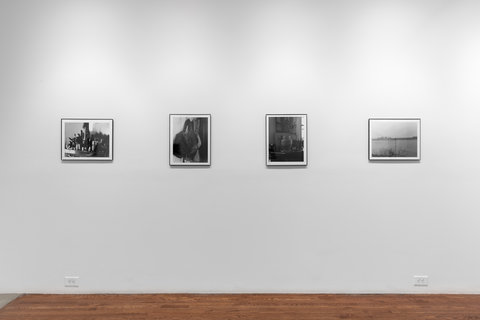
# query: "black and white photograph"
x,y
394,139
87,139
286,137
190,139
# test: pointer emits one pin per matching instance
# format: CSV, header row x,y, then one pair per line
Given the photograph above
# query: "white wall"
x,y
340,225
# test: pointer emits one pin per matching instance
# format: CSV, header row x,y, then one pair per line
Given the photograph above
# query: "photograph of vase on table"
x,y
286,139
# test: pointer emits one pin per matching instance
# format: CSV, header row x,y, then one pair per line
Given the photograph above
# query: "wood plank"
x,y
243,306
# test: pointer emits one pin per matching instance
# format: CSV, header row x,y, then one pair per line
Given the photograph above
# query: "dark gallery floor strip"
x,y
243,306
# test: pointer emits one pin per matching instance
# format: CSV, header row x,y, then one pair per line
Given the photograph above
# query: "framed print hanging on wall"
x,y
87,139
394,139
286,139
190,143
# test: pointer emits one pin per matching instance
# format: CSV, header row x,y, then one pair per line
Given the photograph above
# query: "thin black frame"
x,y
62,138
401,159
286,164
190,164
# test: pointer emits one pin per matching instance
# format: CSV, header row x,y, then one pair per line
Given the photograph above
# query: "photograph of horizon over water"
x,y
394,139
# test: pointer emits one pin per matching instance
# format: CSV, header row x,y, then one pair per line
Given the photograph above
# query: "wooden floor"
x,y
240,307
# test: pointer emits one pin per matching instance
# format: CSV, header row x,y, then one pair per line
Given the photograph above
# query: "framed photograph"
x,y
190,143
286,139
394,139
87,139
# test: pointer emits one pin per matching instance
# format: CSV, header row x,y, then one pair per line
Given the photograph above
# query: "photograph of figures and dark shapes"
x,y
394,139
286,139
190,139
87,139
